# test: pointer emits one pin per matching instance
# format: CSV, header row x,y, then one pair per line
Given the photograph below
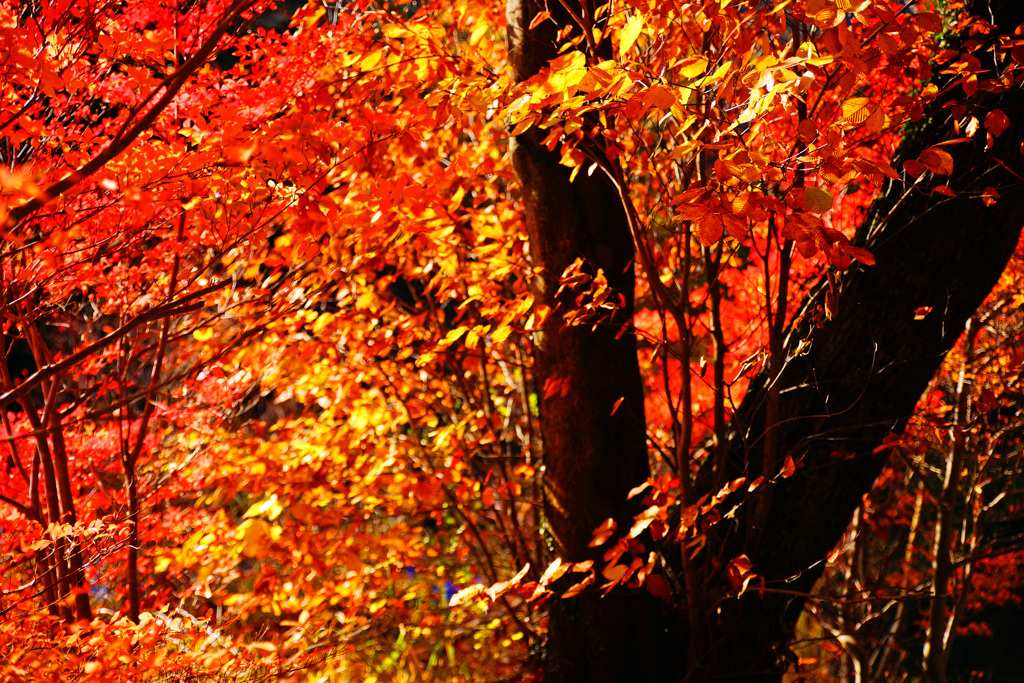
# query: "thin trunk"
x,y
936,640
131,454
50,494
56,454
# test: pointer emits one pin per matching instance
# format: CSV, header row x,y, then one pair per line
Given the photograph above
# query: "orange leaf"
x,y
614,572
888,45
738,571
660,97
710,229
876,122
922,312
788,468
579,587
603,532
997,121
937,160
862,255
806,131
539,19
615,407
817,200
637,490
554,572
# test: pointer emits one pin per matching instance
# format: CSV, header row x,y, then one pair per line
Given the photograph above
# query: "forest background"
x,y
453,341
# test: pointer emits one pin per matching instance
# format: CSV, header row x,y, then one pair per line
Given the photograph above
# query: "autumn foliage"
x,y
268,396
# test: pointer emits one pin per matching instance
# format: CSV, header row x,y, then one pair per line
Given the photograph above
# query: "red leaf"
x,y
862,255
658,586
929,22
914,167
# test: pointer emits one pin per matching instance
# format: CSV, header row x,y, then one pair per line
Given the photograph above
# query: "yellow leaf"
x,y
643,520
522,126
691,67
502,587
478,33
720,72
269,507
855,109
630,33
203,334
371,60
454,335
501,334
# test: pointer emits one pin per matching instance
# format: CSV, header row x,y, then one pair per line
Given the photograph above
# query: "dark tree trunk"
x,y
864,370
593,453
857,382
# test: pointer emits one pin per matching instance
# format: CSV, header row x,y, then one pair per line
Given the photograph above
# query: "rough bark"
x,y
864,370
593,453
857,381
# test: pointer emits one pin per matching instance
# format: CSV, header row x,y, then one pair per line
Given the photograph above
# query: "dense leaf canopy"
x,y
313,318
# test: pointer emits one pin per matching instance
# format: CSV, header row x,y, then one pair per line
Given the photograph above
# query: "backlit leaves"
x,y
817,199
630,32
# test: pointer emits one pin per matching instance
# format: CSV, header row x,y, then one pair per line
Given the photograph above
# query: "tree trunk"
x,y
864,370
594,453
857,382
